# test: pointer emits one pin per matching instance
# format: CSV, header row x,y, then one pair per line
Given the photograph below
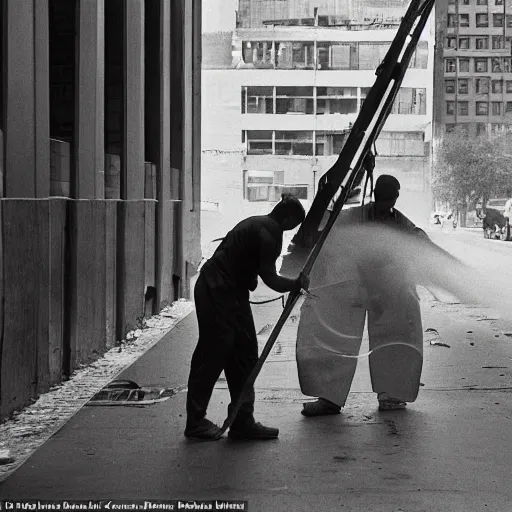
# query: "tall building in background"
x,y
474,89
299,72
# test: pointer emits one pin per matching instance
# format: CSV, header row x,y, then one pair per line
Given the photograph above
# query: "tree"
x,y
469,170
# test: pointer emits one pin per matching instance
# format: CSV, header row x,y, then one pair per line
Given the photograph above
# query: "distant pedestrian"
x,y
227,336
508,214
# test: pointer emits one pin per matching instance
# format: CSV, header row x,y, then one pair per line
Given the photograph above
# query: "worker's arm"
x,y
278,283
269,252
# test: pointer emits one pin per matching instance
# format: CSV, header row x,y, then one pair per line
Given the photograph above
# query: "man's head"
x,y
387,190
289,212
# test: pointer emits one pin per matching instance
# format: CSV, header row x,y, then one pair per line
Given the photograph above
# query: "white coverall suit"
x,y
332,323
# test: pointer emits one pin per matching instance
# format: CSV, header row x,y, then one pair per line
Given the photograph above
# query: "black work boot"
x,y
253,430
244,427
204,430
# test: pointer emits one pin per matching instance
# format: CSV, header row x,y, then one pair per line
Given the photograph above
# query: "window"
x,y
498,2
482,108
508,107
496,108
464,2
463,108
496,65
498,42
449,86
332,55
259,142
481,65
336,100
329,143
294,100
482,20
450,108
509,86
294,143
419,59
257,100
464,43
295,55
410,101
343,56
451,43
258,53
464,20
497,19
299,191
450,65
263,185
482,43
452,20
481,2
497,86
482,86
463,86
464,65
509,20
372,54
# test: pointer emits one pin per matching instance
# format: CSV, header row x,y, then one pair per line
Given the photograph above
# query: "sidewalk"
x,y
450,451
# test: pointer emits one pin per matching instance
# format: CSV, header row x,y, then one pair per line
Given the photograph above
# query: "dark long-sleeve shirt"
x,y
250,249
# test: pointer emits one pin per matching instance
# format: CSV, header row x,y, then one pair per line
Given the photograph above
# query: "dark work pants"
x,y
227,341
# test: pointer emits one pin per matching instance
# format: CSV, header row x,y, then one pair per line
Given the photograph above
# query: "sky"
x,y
219,15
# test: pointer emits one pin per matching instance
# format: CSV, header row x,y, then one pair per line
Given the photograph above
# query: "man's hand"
x,y
302,282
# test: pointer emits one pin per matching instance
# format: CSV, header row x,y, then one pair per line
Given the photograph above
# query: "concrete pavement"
x,y
449,451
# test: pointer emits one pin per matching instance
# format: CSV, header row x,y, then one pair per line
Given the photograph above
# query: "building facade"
x,y
475,57
298,76
100,178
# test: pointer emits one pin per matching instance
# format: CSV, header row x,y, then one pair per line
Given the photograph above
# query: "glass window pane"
x,y
259,135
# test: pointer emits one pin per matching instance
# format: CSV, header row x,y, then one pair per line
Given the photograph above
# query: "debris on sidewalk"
x,y
28,429
129,393
435,338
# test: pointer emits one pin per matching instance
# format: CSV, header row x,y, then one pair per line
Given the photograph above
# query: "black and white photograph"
x,y
256,255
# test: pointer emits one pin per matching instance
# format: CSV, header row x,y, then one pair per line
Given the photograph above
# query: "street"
x,y
448,451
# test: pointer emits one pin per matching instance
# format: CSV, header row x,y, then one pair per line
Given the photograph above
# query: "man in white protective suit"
x,y
332,321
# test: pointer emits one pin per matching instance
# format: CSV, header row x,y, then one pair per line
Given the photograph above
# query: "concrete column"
x,y
26,99
89,151
42,98
132,180
189,89
158,139
190,196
